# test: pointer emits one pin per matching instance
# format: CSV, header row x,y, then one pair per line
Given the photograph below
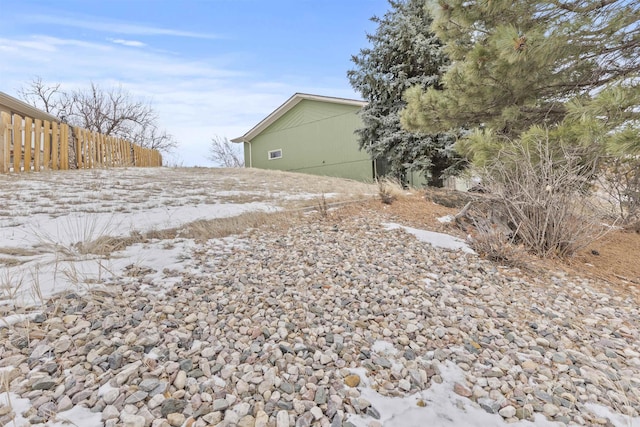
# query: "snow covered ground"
x,y
44,219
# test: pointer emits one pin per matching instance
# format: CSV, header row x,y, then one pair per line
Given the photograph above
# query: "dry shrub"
x,y
389,190
540,192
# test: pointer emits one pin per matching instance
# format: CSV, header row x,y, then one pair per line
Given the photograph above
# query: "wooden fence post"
x,y
108,152
88,149
94,149
17,142
102,151
5,142
129,153
37,146
28,131
55,162
64,146
79,139
46,145
98,150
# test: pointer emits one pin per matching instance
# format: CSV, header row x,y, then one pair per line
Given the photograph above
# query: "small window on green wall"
x,y
275,154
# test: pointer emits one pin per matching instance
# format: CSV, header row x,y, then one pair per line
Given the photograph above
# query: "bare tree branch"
x,y
224,154
150,136
48,98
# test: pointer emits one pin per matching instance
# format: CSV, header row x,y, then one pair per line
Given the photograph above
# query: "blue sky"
x,y
209,67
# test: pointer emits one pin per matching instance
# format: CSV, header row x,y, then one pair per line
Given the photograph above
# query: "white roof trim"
x,y
288,105
22,108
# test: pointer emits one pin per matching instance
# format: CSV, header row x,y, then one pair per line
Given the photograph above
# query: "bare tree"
x,y
224,154
48,98
150,136
111,112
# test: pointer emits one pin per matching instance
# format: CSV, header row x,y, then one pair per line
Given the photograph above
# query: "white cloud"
x,y
89,23
45,44
130,43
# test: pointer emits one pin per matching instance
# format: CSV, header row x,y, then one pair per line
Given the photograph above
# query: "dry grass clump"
x,y
106,245
495,245
222,227
322,206
389,190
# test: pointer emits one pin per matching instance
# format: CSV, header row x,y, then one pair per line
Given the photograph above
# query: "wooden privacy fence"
x,y
28,144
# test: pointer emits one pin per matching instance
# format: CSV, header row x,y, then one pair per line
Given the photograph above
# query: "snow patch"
x,y
438,240
446,219
383,347
441,407
76,416
617,420
12,319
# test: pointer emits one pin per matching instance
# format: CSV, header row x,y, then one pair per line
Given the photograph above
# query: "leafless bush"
x,y
540,191
619,182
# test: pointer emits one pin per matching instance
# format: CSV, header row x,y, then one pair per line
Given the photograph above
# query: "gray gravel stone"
x,y
270,330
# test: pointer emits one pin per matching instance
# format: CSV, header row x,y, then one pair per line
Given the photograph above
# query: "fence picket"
x,y
28,132
17,142
5,142
46,145
55,147
64,146
37,144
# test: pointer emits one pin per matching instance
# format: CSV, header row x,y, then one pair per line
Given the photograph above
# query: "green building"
x,y
313,134
310,134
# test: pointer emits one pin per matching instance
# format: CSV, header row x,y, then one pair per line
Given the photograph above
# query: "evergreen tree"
x,y
568,66
403,53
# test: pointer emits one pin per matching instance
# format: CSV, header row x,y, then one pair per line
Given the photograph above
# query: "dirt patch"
x,y
615,257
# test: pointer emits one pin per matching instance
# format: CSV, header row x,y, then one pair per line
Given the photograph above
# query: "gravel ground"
x,y
275,328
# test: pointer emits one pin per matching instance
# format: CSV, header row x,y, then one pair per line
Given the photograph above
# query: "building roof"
x,y
15,106
288,105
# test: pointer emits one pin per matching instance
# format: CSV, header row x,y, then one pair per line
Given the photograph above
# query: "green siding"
x,y
416,180
315,137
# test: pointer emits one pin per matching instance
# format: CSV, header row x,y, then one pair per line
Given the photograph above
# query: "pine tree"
x,y
568,66
403,53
